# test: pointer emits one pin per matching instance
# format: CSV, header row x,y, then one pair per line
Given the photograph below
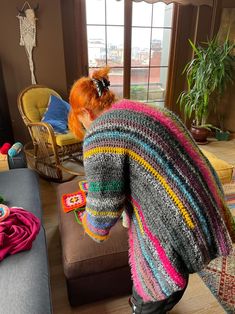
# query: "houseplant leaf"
x,y
208,74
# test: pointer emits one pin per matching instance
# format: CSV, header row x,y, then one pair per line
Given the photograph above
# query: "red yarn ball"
x,y
5,148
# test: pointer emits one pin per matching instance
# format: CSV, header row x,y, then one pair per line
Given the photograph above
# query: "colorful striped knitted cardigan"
x,y
144,160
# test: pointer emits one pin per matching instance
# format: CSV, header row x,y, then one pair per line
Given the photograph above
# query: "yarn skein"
x,y
4,212
15,149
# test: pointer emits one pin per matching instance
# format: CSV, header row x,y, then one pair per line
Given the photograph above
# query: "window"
x,y
147,40
105,37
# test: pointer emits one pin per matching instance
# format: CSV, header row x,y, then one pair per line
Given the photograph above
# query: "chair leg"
x,y
41,162
48,164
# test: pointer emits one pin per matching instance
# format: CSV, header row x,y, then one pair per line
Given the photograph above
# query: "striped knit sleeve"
x,y
106,197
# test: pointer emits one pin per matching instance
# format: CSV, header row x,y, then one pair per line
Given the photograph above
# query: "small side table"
x,y
4,166
18,161
7,162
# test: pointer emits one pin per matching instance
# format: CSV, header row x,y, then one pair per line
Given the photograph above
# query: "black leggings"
x,y
158,307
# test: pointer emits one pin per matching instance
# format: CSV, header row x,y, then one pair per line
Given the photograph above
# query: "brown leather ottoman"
x,y
93,271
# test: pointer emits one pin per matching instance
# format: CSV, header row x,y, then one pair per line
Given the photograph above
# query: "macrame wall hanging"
x,y
27,20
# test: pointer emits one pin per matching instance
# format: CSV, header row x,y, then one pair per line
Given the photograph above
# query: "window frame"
x,y
82,47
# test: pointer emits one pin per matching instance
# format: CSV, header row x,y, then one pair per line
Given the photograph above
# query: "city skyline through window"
x,y
150,44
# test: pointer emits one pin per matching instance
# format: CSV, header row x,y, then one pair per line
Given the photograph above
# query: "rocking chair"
x,y
52,155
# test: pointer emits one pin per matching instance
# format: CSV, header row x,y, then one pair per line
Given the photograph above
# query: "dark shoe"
x,y
133,306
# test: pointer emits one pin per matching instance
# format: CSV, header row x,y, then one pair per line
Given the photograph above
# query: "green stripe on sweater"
x,y
111,186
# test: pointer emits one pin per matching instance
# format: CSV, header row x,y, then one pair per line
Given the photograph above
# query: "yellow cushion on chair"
x,y
66,139
223,169
35,102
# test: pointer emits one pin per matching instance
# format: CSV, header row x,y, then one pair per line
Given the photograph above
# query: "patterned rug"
x,y
219,276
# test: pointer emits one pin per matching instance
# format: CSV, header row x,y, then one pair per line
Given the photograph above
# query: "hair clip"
x,y
101,85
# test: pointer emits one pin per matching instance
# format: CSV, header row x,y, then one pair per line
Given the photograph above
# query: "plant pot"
x,y
199,134
222,135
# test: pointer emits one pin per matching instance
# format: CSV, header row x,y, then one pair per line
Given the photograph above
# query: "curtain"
x,y
227,26
184,2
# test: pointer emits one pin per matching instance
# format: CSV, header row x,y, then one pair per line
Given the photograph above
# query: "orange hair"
x,y
84,95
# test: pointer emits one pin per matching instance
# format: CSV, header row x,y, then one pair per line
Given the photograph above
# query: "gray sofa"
x,y
24,277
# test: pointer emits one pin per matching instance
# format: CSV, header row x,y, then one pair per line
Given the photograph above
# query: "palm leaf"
x,y
208,74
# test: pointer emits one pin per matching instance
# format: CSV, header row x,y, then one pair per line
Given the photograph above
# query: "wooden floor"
x,y
197,298
223,150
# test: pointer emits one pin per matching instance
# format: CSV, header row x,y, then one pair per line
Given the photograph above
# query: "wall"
x,y
187,17
6,135
59,38
228,102
48,55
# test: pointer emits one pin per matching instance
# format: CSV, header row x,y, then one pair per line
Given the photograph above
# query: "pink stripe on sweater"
x,y
171,125
179,280
188,145
138,287
147,275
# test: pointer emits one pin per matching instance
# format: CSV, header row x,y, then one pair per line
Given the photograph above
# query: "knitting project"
x,y
78,213
73,201
4,212
144,159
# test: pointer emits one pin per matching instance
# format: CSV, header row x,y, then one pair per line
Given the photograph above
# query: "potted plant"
x,y
208,74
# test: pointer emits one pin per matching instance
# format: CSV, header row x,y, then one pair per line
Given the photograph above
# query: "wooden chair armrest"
x,y
46,127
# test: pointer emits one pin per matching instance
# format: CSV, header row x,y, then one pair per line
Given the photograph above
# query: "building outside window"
x,y
147,40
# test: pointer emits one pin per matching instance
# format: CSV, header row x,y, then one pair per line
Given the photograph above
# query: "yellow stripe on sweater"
x,y
103,213
146,165
138,219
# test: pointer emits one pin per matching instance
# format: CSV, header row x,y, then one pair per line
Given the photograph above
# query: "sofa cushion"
x,y
24,280
66,139
19,187
223,169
